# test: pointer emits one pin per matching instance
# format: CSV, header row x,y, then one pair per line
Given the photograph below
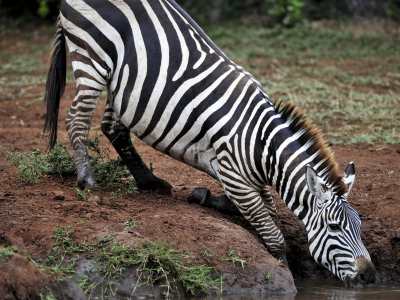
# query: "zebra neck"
x,y
287,167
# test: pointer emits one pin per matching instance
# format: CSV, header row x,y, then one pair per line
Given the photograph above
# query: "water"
x,y
317,289
335,290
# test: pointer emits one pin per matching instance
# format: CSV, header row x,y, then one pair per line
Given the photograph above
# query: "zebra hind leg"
x,y
78,126
120,138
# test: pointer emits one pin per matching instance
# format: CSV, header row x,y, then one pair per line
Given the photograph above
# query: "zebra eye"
x,y
334,227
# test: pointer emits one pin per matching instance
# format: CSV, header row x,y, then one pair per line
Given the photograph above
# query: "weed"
x,y
131,224
205,253
5,253
268,276
234,258
110,172
80,195
33,102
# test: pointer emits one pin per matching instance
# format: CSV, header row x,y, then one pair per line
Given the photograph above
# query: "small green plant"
x,y
131,224
80,195
47,297
234,258
5,253
268,276
205,253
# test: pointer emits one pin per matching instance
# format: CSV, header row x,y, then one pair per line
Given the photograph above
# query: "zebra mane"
x,y
329,168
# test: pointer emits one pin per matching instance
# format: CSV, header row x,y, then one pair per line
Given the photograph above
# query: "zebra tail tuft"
x,y
55,84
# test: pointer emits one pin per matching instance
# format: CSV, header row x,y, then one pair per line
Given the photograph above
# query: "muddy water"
x,y
322,290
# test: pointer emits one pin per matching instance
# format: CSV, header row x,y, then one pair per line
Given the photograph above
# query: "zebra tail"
x,y
55,84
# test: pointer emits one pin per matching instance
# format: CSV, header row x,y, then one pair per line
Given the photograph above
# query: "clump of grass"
x,y
34,164
80,195
111,173
130,224
234,258
155,260
6,252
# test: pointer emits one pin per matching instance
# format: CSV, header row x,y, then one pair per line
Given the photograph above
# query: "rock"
x,y
44,193
9,194
59,195
20,279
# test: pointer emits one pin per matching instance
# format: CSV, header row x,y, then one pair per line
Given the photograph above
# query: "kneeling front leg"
x,y
120,138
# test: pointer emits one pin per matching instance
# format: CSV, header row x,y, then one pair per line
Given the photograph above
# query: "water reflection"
x,y
335,290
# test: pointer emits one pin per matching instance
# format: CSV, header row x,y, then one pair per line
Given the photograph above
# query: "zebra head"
x,y
334,233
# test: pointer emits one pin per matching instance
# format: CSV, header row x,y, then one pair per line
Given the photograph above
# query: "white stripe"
x,y
184,48
141,55
202,53
162,76
124,81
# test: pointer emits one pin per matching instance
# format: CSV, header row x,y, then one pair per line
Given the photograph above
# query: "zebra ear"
x,y
313,182
349,176
317,186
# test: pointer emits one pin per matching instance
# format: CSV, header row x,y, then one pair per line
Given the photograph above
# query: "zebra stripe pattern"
x,y
174,89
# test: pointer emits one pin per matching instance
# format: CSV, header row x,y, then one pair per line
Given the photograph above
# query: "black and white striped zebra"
x,y
174,89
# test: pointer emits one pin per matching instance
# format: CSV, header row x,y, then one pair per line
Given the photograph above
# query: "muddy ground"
x,y
27,218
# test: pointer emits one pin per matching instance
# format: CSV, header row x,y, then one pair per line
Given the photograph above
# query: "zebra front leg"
x,y
120,138
78,126
268,202
223,204
250,204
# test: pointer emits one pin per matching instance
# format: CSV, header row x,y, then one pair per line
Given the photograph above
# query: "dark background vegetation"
x,y
264,12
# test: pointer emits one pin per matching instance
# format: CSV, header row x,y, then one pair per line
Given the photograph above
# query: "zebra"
x,y
172,87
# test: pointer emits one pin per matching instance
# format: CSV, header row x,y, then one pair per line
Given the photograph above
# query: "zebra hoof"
x,y
281,257
163,188
199,196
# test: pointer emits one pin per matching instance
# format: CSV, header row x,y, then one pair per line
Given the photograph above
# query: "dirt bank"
x,y
28,218
21,279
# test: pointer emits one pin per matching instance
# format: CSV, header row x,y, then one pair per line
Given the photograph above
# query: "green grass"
x,y
155,261
348,86
110,173
301,41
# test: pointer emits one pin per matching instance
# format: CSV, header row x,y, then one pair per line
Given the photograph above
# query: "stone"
x,y
59,195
